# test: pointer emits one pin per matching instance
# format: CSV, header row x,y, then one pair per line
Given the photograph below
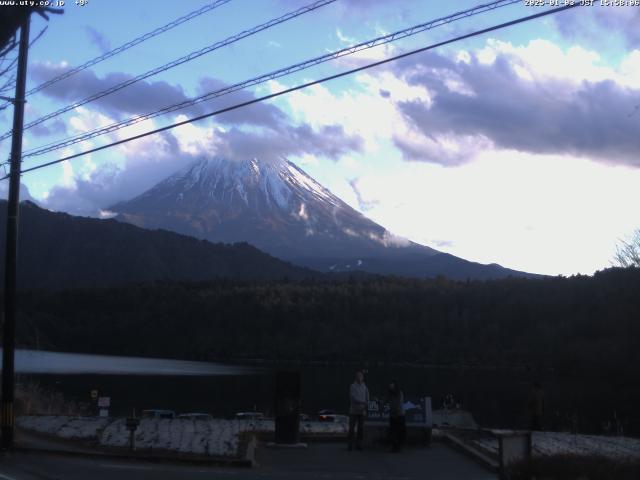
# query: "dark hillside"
x,y
57,250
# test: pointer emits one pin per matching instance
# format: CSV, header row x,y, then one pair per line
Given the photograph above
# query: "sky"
x,y
519,147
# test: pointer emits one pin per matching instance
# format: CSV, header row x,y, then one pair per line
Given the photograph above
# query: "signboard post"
x,y
287,408
103,404
132,425
513,448
93,394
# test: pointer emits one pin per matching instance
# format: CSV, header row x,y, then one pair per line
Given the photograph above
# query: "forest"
x,y
579,324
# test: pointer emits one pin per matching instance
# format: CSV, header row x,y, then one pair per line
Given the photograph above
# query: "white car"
x,y
195,416
249,416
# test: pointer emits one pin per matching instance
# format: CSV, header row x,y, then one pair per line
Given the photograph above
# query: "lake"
x,y
496,397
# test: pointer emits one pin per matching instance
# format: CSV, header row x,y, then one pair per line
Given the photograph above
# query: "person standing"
x,y
359,399
535,406
397,424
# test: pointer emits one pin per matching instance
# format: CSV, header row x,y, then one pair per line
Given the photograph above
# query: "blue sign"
x,y
414,413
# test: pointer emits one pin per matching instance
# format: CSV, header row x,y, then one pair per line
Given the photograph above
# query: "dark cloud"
x,y
109,184
139,98
269,129
56,126
148,96
329,141
262,114
98,39
551,117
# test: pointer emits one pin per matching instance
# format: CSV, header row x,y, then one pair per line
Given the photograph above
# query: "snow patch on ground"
x,y
561,443
215,437
64,426
202,437
453,418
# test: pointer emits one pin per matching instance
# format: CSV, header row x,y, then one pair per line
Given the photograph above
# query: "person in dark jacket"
x,y
535,406
397,425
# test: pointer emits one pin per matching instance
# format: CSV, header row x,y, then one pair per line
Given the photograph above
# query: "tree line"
x,y
575,324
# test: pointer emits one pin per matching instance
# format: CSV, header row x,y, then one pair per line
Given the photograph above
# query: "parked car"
x,y
249,416
158,414
327,416
341,418
195,416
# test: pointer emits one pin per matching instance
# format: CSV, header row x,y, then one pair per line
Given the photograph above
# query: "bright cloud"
x,y
546,188
507,203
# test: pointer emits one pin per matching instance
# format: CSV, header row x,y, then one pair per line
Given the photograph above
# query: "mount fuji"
x,y
275,206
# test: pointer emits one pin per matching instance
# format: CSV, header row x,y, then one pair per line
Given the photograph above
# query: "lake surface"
x,y
496,397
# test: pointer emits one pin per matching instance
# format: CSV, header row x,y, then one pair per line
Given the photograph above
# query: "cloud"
x,y
565,213
24,191
98,39
364,9
446,109
362,111
328,141
500,99
148,96
363,203
56,126
589,24
141,97
261,130
152,159
344,39
261,113
147,162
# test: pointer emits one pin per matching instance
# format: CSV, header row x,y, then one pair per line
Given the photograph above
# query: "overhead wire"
x,y
125,46
11,81
306,85
375,42
179,61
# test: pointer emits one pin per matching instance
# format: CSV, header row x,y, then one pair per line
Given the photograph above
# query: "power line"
x,y
187,58
128,45
10,45
306,85
407,32
10,83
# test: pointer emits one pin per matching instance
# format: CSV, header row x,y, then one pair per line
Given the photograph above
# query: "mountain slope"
x,y
273,205
277,207
62,251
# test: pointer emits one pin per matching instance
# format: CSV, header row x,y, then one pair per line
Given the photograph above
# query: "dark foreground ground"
x,y
319,461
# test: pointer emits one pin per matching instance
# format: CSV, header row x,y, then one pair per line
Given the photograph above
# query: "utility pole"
x,y
10,266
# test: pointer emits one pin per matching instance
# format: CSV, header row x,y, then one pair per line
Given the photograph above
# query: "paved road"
x,y
319,462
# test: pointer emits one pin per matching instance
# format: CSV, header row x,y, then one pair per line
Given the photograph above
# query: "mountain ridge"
x,y
58,250
273,205
277,207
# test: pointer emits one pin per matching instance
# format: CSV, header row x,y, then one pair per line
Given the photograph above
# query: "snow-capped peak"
x,y
277,182
272,204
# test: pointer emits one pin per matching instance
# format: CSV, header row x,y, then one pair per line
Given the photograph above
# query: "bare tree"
x,y
628,252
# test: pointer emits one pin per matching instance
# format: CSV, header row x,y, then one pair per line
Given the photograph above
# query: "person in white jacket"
x,y
359,400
